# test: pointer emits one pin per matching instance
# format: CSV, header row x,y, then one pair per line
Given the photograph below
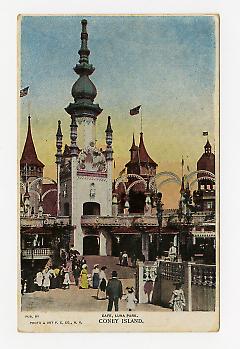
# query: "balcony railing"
x,y
37,253
46,220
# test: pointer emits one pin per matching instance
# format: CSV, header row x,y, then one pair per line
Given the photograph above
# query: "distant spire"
x,y
109,126
182,190
29,155
59,131
59,137
208,147
133,142
109,132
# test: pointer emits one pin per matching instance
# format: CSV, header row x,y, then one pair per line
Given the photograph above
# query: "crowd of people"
x,y
75,271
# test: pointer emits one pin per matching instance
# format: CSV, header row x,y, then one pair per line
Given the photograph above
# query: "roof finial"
x,y
59,130
84,52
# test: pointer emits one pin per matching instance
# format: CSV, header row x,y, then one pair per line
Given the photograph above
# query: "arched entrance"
x,y
91,245
136,202
91,209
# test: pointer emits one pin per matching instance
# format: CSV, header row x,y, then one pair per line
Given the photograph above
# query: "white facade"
x,y
89,189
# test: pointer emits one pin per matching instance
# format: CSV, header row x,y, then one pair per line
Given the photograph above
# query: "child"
x,y
177,301
131,299
66,281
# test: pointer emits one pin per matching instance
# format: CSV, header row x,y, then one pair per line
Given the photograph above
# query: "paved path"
x,y
76,299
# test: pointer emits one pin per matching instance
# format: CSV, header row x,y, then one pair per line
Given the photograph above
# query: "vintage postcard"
x,y
118,148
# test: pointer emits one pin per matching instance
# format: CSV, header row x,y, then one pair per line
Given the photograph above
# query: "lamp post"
x,y
159,206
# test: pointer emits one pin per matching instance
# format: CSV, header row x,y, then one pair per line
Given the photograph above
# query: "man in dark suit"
x,y
114,291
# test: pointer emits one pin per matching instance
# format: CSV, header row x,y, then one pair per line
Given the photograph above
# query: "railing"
x,y
119,220
198,282
45,220
203,275
37,253
136,220
171,271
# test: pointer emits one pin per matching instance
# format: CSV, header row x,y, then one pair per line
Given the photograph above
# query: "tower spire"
x,y
84,52
29,155
59,137
109,133
83,90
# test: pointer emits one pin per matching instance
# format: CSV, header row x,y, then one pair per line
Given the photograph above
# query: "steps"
x,y
112,263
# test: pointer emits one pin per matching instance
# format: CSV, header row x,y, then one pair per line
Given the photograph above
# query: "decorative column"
x,y
126,207
102,244
75,216
26,200
58,155
109,159
115,205
40,208
145,245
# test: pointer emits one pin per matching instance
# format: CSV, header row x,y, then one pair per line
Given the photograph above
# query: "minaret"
x,y
109,158
84,113
83,110
58,155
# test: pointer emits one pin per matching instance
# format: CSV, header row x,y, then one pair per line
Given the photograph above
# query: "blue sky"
x,y
165,63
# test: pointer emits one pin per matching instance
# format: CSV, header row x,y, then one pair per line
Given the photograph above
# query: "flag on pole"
x,y
135,110
24,91
205,133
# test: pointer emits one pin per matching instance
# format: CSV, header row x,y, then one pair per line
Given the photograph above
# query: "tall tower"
x,y
86,171
31,168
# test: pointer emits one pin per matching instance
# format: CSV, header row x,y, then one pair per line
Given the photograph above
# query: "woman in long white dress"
x,y
46,279
177,301
39,280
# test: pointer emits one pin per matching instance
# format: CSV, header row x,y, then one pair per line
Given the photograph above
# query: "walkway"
x,y
76,299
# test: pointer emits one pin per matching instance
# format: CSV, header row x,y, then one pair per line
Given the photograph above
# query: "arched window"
x,y
91,208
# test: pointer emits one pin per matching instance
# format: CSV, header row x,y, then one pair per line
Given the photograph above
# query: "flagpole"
x,y
141,118
29,107
182,165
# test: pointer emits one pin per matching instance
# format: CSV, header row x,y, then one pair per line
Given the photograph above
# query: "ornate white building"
x,y
84,172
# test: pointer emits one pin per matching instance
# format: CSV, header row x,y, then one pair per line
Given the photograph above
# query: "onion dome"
x,y
83,90
207,160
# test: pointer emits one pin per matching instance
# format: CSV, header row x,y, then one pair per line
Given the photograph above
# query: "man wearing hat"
x,y
114,291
